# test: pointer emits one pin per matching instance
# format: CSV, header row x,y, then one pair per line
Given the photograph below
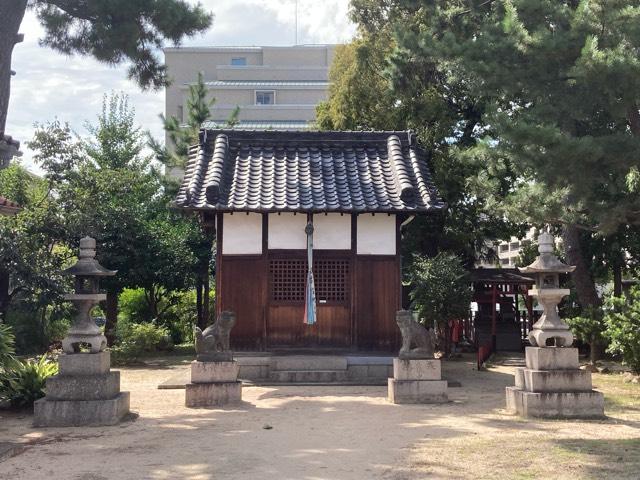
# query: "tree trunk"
x,y
11,15
5,298
111,317
617,279
582,280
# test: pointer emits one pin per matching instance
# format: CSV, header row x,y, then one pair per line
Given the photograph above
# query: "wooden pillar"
x,y
494,297
515,295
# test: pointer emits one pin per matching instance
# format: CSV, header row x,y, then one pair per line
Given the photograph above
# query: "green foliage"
x,y
622,319
178,312
135,340
115,32
133,306
589,328
447,121
24,382
184,134
100,185
7,346
441,289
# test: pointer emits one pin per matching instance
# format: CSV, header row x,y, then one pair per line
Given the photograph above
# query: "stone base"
x,y
83,387
80,413
213,394
553,386
549,381
552,358
555,405
417,391
215,357
214,372
406,369
84,363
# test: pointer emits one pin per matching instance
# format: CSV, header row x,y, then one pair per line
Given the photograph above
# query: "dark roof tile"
x,y
236,170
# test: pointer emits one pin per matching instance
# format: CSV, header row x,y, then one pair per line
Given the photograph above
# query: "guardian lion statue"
x,y
417,341
212,345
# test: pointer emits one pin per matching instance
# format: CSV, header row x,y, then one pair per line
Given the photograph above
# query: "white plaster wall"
x,y
286,231
331,232
376,234
242,234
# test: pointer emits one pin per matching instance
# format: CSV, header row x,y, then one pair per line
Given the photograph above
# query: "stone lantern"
x,y
550,330
85,391
87,294
552,383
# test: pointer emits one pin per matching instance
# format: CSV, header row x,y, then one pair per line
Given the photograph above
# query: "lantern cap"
x,y
87,265
547,262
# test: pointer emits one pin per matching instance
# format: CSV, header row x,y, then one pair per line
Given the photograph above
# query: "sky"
x,y
48,85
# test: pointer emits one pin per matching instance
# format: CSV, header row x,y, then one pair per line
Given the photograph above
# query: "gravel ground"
x,y
328,433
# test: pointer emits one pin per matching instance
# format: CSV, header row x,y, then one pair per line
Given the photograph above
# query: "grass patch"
x,y
619,397
529,456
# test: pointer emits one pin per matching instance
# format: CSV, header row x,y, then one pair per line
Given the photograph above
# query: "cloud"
x,y
49,85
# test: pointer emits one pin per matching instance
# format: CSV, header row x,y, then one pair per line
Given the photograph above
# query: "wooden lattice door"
x,y
287,277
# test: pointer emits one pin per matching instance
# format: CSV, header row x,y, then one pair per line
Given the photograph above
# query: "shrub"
x,y
136,339
589,328
440,289
133,306
7,346
622,320
25,381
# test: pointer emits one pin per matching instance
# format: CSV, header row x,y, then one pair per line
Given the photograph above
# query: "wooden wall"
x,y
377,300
364,321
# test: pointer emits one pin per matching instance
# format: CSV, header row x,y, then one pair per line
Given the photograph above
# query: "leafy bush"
x,y
133,306
589,328
440,289
622,320
57,330
136,339
25,381
7,346
178,312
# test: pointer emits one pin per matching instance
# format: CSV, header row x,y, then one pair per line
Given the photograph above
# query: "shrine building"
x,y
261,189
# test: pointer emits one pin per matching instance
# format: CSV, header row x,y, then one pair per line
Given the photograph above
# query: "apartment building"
x,y
275,87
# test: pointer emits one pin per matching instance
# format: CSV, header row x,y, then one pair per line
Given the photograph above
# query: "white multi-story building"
x,y
274,87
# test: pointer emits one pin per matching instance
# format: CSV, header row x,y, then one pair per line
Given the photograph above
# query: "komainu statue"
x,y
417,341
212,345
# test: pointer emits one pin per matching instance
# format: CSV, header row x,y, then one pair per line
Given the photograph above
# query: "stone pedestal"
x,y
84,393
552,385
417,381
213,384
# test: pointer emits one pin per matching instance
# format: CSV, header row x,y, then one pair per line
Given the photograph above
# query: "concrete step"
x,y
308,362
308,376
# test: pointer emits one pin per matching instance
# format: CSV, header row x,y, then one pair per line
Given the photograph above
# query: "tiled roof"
x,y
7,207
259,125
267,83
307,171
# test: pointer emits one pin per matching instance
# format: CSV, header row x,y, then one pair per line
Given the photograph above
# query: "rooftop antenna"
x,y
296,36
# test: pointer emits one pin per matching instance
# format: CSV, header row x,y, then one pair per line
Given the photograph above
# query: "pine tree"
x,y
555,92
113,32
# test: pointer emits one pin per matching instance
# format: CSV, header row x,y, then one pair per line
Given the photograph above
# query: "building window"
x,y
514,246
288,280
504,247
265,97
180,113
239,61
504,261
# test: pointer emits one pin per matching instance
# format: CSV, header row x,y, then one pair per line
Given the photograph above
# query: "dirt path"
x,y
317,433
